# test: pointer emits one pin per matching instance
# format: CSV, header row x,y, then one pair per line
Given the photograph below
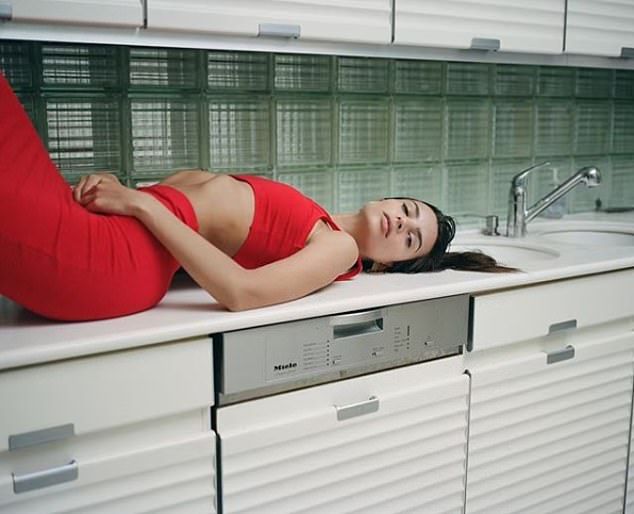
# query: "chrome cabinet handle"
x,y
563,354
357,409
562,325
279,30
6,12
47,435
357,323
46,478
627,52
483,43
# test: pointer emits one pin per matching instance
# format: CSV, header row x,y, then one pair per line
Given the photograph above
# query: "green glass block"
x,y
554,128
239,133
356,187
316,185
28,102
85,66
468,129
467,186
363,131
238,71
362,75
545,179
623,132
624,84
514,80
594,83
164,134
468,78
83,134
16,65
592,127
583,198
422,182
555,81
162,67
417,77
513,128
304,135
418,130
622,190
302,72
503,172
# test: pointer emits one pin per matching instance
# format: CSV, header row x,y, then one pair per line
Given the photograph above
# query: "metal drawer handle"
x,y
46,478
279,30
563,354
47,435
6,12
483,43
562,325
357,409
627,52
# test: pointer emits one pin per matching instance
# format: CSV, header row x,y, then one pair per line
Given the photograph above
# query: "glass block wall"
x,y
342,129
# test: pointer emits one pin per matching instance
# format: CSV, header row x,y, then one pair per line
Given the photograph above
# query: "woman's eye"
x,y
405,209
409,241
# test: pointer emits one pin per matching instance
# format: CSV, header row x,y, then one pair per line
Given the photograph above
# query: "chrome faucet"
x,y
519,214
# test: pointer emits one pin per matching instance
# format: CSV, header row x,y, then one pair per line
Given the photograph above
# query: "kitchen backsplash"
x,y
342,129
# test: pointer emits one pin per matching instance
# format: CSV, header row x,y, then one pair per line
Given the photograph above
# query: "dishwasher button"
x,y
336,360
377,353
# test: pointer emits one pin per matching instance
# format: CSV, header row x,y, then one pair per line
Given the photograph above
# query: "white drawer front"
x,y
290,454
551,438
535,311
104,391
178,476
88,12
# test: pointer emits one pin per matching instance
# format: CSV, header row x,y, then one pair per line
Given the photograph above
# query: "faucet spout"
x,y
519,214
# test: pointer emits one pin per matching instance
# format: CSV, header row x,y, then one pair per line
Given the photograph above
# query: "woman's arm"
x,y
327,256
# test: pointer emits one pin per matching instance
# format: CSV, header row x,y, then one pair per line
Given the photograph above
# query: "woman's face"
x,y
397,230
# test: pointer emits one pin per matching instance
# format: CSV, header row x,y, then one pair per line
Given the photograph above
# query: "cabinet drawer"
x,y
535,311
52,402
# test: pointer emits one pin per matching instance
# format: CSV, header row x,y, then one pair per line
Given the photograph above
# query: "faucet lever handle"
x,y
523,174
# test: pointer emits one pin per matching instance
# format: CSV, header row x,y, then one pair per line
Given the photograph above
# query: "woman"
x,y
103,250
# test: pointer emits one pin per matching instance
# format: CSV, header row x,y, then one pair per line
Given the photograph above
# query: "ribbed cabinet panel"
x,y
599,27
290,454
520,26
552,438
339,20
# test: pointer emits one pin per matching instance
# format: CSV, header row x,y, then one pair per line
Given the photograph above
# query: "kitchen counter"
x,y
187,311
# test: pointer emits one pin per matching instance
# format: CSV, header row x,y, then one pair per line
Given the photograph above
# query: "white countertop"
x,y
187,311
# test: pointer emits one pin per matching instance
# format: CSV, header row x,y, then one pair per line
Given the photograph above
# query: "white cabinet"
x,y
127,431
518,25
600,27
390,442
335,20
84,12
552,437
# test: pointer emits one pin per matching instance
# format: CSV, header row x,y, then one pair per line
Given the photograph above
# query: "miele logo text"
x,y
284,367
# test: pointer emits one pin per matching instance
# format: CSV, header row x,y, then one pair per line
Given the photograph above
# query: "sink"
x,y
507,252
591,237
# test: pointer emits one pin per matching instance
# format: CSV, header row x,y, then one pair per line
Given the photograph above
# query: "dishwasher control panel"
x,y
263,360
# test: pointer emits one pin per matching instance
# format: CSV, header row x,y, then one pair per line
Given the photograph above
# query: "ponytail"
x,y
438,258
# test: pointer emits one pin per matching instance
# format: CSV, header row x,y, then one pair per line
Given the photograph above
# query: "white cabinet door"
x,y
403,451
335,20
552,438
84,12
520,26
599,27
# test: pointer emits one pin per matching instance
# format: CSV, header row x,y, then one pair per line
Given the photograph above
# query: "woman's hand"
x,y
110,197
87,182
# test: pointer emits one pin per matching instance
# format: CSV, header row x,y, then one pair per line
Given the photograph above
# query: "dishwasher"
x,y
362,412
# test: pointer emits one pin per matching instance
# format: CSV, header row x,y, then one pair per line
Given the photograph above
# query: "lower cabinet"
x,y
550,425
390,442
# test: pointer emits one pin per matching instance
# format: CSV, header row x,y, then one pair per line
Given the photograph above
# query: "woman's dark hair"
x,y
438,258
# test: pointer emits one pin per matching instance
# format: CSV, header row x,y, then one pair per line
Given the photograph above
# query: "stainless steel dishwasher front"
x,y
358,412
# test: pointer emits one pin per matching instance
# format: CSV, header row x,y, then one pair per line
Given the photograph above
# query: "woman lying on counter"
x,y
103,250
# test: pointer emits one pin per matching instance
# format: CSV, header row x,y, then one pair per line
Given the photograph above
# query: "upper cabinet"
x,y
516,25
600,27
367,21
83,12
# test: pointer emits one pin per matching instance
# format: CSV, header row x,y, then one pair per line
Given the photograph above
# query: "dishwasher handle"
x,y
357,323
354,410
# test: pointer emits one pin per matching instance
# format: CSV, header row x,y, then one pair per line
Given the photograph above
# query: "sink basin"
x,y
510,253
591,237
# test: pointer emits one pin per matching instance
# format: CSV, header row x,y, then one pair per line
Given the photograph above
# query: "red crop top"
x,y
282,219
